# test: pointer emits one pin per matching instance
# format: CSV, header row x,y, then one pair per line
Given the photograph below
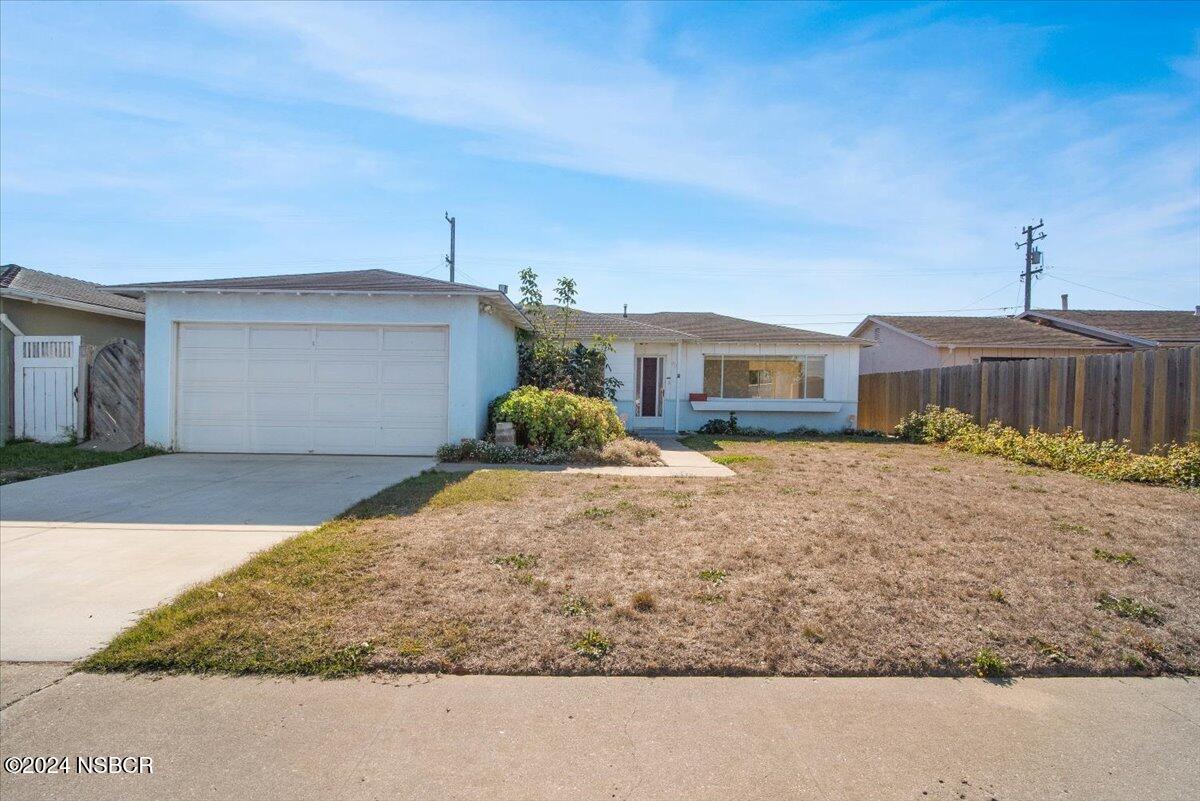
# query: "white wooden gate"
x,y
46,388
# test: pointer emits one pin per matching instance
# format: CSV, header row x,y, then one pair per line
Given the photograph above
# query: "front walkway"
x,y
84,554
494,737
678,460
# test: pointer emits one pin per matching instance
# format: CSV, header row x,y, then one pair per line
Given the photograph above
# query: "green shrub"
x,y
935,424
1177,465
552,419
731,426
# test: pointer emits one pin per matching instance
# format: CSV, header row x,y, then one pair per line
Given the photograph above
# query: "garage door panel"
x,y
347,372
220,437
206,336
414,373
428,407
206,370
280,371
417,339
213,403
269,407
281,338
281,439
312,388
356,339
346,406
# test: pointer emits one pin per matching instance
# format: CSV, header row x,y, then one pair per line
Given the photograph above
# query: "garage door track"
x,y
83,554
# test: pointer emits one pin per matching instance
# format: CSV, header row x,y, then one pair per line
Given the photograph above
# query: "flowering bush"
x,y
551,419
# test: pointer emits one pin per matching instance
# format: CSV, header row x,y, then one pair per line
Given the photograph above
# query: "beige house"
x,y
917,343
34,303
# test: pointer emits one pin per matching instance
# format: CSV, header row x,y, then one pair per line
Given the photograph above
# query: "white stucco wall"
x,y
460,313
895,351
496,362
841,383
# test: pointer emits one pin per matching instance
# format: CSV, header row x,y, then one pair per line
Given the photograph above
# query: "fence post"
x,y
1080,388
1194,392
983,394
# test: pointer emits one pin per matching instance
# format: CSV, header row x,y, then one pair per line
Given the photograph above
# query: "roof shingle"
x,y
1002,332
1168,327
721,328
22,279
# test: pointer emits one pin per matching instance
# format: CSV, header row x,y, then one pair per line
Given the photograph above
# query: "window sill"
x,y
757,405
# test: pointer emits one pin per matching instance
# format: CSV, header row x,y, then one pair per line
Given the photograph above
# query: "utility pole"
x,y
1032,257
450,258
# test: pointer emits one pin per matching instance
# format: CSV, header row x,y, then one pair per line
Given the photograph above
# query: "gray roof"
x,y
1166,327
677,326
20,280
986,332
713,327
350,281
584,325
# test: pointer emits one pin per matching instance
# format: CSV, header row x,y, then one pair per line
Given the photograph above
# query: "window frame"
x,y
802,358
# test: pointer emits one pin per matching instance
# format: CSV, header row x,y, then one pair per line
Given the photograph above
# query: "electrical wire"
x,y
1106,292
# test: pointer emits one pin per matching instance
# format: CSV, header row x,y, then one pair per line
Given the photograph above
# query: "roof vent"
x,y
625,310
1064,302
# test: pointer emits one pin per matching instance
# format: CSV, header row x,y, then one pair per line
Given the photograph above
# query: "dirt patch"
x,y
820,558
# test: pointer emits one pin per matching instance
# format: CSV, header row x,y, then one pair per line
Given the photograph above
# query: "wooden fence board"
x,y
1147,397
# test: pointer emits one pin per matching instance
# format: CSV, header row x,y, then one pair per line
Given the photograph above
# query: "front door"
x,y
649,390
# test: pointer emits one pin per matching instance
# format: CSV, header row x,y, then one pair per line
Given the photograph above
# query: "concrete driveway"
x,y
83,554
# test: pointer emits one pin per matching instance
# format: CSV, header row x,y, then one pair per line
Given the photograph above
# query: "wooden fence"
x,y
1146,396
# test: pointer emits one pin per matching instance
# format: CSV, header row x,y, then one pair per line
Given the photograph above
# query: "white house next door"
x,y
349,389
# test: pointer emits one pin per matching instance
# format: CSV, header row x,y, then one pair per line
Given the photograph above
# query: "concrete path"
x,y
678,460
83,554
481,737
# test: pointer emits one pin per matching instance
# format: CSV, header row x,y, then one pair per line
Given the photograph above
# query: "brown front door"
x,y
648,385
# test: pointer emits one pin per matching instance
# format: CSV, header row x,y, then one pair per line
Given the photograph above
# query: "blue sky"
x,y
801,164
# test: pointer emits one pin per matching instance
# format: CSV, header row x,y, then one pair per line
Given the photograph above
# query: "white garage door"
x,y
263,388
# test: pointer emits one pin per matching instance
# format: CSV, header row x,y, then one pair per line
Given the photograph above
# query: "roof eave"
x,y
67,303
1090,330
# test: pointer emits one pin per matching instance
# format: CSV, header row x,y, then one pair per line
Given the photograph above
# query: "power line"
x,y
1106,292
925,311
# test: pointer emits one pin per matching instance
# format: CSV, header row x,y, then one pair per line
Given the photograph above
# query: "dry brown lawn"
x,y
820,558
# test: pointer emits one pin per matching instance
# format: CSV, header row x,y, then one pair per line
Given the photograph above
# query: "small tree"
x,y
549,357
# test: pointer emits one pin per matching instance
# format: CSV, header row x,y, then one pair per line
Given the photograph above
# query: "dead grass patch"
x,y
829,568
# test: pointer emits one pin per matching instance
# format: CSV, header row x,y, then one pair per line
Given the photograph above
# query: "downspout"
x,y
679,381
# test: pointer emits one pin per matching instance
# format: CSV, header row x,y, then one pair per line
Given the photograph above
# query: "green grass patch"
x,y
1123,558
22,460
434,489
713,575
1128,607
736,458
592,644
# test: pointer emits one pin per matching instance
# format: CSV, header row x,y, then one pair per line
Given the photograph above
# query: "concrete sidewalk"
x,y
487,737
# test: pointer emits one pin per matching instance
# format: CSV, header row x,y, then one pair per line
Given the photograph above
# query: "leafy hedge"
x,y
552,419
1177,465
625,451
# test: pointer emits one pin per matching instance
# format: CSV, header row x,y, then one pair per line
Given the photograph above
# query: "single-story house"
x,y
36,303
1135,329
681,369
916,343
361,362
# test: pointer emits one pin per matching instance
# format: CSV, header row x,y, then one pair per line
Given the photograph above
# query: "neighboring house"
x,y
35,303
1135,329
361,362
681,369
917,343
